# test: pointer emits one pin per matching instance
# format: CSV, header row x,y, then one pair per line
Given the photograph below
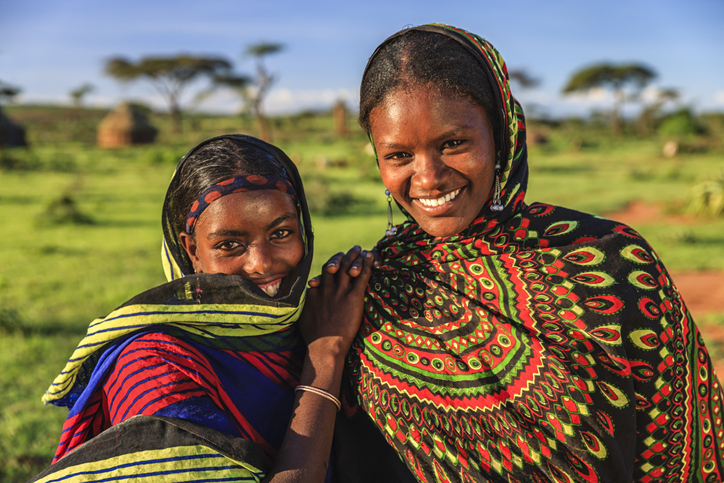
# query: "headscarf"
x,y
538,344
226,319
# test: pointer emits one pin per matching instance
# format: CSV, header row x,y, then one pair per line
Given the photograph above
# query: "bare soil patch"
x,y
641,212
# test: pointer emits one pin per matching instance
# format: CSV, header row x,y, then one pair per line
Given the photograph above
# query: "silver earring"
x,y
497,205
391,229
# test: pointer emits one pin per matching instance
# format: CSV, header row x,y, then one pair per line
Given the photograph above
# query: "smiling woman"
x,y
218,373
503,341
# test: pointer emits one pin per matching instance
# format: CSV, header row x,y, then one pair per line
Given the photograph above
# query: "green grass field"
x,y
64,263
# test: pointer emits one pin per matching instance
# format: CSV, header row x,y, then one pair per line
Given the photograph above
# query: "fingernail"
x,y
332,264
355,267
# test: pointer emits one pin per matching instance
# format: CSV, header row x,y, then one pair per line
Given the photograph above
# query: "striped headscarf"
x,y
220,339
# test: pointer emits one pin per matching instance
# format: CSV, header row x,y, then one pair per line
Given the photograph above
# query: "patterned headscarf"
x,y
538,344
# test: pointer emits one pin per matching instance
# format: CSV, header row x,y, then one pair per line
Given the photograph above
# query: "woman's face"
x,y
436,155
254,234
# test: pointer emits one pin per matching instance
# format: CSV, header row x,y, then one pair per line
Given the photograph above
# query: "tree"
x,y
262,83
523,79
652,112
614,77
8,92
169,75
77,94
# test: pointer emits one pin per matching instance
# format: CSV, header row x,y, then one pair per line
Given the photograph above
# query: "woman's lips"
x,y
271,288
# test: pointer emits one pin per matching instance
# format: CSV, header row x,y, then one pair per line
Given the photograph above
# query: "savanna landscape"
x,y
82,228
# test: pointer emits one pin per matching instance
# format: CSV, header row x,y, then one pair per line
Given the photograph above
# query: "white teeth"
x,y
272,289
439,201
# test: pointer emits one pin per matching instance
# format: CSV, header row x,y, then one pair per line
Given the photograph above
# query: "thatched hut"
x,y
11,134
123,126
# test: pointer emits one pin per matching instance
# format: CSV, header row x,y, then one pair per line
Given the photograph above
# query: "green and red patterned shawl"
x,y
539,344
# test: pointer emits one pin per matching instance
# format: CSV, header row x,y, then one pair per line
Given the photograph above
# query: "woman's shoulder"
x,y
560,226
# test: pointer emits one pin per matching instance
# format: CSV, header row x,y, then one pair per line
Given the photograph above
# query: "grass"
x,y
57,273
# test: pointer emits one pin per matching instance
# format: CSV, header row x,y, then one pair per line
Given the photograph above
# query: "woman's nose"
x,y
258,259
430,172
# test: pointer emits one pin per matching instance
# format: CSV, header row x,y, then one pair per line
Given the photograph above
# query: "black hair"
x,y
430,60
217,161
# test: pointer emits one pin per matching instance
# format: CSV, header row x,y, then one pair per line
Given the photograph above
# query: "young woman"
x,y
503,341
218,374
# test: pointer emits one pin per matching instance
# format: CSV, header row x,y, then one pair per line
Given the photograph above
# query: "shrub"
x,y
64,210
681,123
707,196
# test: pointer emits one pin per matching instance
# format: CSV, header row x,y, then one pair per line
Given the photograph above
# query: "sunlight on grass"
x,y
58,275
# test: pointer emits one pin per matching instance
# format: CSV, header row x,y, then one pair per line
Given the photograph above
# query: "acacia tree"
x,y
77,94
523,78
8,92
650,113
262,83
169,75
615,77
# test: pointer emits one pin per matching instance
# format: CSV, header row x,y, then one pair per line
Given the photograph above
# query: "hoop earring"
x,y
496,204
391,229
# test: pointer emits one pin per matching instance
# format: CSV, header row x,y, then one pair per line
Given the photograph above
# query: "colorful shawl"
x,y
213,351
539,344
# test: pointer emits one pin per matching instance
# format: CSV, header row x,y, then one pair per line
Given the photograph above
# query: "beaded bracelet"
x,y
320,392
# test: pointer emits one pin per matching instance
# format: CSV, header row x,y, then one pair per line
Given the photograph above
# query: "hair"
x,y
212,163
429,60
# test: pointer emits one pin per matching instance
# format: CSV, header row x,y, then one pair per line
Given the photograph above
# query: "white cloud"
x,y
282,101
719,97
593,96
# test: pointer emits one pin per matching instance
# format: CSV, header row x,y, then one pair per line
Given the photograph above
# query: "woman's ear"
x,y
189,244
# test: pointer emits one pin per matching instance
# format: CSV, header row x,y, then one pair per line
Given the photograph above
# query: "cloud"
x,y
284,100
719,97
593,96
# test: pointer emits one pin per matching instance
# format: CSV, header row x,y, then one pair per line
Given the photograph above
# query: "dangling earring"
x,y
391,229
497,205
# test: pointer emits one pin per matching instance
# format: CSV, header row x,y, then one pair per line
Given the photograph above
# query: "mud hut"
x,y
123,126
11,134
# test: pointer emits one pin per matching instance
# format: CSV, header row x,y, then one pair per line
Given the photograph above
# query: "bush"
x,y
324,201
707,196
63,210
681,123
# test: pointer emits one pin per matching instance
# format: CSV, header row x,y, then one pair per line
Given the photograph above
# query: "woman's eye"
x,y
228,246
282,233
397,156
452,144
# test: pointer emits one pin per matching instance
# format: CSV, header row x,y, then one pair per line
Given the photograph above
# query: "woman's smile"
x,y
436,155
442,202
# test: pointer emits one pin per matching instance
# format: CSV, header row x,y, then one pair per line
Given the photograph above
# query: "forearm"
x,y
304,454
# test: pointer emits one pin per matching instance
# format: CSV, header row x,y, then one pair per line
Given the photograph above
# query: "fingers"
x,y
357,265
333,263
364,272
315,282
377,257
352,261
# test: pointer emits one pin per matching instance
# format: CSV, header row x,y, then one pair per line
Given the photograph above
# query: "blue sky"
x,y
47,48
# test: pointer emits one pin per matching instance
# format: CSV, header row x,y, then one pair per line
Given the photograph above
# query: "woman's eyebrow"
x,y
282,219
221,233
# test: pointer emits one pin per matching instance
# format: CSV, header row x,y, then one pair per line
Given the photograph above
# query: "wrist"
x,y
324,371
